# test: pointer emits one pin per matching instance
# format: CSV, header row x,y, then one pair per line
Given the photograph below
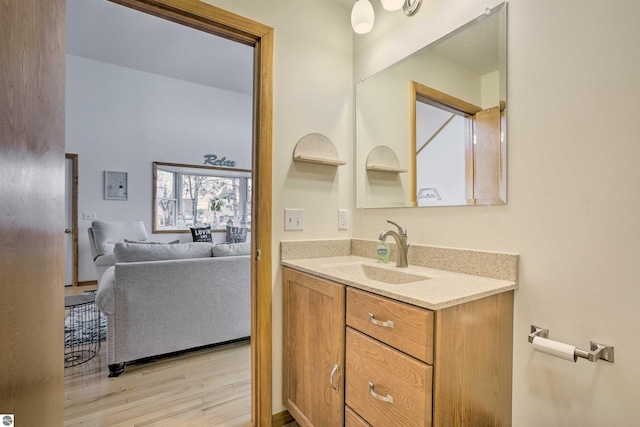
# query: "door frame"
x,y
213,20
74,215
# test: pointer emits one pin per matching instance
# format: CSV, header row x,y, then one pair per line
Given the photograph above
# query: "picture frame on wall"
x,y
115,185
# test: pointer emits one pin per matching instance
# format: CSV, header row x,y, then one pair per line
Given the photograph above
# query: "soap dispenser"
x,y
382,251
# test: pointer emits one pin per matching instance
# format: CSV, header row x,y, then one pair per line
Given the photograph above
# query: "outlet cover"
x,y
89,216
343,219
293,219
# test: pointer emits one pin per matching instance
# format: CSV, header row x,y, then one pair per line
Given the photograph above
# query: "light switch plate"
x,y
293,219
343,219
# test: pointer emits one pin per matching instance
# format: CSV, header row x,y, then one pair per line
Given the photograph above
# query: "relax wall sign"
x,y
213,160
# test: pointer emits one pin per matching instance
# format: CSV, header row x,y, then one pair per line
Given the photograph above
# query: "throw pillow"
x,y
137,252
231,249
201,234
236,234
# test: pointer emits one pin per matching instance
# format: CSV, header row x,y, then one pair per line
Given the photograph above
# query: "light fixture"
x,y
362,17
411,7
392,4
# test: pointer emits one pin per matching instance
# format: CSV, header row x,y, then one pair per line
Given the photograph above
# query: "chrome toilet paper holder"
x,y
598,351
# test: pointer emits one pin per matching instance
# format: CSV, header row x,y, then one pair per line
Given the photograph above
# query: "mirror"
x,y
431,128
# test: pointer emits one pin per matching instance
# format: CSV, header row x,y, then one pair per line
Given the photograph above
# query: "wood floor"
x,y
209,387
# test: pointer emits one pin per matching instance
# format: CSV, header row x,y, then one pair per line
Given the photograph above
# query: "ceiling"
x,y
474,45
104,31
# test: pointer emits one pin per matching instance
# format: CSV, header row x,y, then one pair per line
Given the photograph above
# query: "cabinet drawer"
x,y
384,386
412,329
351,419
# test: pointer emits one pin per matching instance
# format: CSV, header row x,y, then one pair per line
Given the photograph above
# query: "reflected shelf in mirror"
x,y
382,159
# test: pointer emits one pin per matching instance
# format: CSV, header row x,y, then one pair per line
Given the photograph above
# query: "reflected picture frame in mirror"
x,y
454,86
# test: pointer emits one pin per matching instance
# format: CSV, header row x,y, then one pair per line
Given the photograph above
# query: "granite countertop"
x,y
438,290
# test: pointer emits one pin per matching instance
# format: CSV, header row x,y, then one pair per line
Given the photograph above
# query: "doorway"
x,y
209,19
71,220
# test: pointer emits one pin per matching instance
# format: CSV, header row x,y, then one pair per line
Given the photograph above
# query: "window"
x,y
194,196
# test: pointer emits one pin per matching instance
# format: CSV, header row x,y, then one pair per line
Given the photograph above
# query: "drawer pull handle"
x,y
387,324
335,369
388,398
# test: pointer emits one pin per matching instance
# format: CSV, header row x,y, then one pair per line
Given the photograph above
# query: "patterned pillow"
x,y
236,234
201,234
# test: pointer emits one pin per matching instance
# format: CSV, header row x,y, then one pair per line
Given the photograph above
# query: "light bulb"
x,y
362,17
392,4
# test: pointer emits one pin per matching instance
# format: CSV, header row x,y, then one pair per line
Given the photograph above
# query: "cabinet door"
x,y
314,328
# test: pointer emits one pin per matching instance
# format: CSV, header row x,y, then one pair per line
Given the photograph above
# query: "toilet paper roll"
x,y
555,348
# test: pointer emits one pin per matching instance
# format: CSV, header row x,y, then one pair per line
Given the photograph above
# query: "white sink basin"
x,y
394,276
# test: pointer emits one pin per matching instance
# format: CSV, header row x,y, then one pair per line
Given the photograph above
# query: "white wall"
x,y
312,93
574,207
120,119
441,164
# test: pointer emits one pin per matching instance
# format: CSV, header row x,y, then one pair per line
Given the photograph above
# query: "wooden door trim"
x,y
208,18
74,215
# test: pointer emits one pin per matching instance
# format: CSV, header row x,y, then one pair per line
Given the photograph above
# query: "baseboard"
x,y
88,283
281,419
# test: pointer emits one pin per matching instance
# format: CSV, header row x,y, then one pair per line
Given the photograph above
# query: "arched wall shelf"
x,y
384,159
317,148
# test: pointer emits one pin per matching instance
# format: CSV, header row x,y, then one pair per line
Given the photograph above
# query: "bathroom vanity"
x,y
367,344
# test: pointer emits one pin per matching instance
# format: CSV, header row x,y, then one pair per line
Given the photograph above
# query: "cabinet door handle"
x,y
335,369
388,398
387,324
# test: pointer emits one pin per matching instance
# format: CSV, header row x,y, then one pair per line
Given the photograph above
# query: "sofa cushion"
x,y
107,233
146,242
231,249
136,252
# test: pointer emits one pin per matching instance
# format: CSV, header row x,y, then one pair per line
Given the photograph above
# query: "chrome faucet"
x,y
402,247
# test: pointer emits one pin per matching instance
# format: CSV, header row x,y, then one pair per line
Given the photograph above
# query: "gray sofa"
x,y
165,298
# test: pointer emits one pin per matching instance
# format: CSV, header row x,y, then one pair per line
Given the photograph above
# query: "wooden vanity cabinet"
x,y
351,419
445,368
473,353
314,347
466,381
